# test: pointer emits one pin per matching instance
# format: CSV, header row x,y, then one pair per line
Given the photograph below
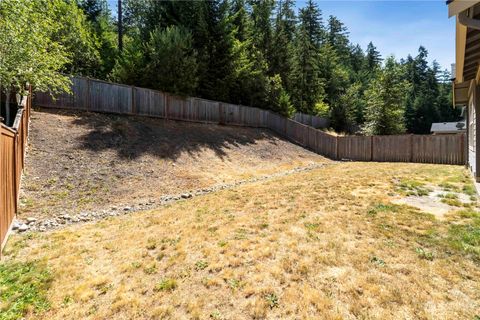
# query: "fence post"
x,y
411,147
133,100
336,148
14,180
166,105
221,113
89,96
371,148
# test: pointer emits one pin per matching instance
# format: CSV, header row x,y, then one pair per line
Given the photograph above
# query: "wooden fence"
x,y
312,121
100,96
13,141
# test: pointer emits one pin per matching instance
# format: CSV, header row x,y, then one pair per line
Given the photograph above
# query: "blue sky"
x,y
395,27
398,27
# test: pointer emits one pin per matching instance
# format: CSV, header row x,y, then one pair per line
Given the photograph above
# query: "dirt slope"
x,y
80,161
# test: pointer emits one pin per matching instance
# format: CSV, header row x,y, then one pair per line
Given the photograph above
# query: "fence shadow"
x,y
133,136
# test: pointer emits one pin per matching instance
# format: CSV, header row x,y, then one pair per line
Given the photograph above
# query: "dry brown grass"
x,y
326,244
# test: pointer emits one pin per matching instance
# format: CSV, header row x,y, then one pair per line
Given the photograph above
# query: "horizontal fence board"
x,y
96,95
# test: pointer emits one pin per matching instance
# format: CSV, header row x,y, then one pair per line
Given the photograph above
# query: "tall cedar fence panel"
x,y
96,95
13,143
395,148
358,148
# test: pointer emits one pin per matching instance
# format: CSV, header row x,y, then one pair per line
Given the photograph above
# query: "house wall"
x,y
471,134
473,122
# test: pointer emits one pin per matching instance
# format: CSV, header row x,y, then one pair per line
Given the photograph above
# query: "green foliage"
x,y
23,289
466,237
171,51
259,53
166,285
129,67
77,37
382,208
31,49
385,101
308,88
278,98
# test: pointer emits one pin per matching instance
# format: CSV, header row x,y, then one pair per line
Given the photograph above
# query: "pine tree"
x,y
262,33
282,54
385,101
240,20
338,38
217,65
171,51
373,57
312,24
308,88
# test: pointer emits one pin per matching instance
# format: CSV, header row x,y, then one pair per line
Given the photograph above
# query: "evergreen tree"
x,y
308,87
311,24
130,67
385,101
357,59
171,51
240,20
262,33
217,65
338,38
373,57
283,50
94,9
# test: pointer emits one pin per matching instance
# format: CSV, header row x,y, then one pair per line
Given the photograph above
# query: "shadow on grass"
x,y
133,136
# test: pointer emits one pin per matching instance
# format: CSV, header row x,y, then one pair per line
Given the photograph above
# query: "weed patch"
x,y
382,208
166,285
23,289
413,188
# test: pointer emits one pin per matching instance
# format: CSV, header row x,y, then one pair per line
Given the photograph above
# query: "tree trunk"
x,y
120,26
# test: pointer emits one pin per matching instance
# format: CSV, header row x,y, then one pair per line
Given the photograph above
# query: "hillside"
x,y
80,161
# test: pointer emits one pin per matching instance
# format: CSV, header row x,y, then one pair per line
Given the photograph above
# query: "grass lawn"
x,y
325,244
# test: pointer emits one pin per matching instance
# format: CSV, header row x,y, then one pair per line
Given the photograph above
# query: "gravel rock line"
x,y
64,219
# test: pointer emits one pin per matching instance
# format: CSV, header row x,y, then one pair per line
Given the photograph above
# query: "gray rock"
x,y
23,227
31,220
127,209
16,225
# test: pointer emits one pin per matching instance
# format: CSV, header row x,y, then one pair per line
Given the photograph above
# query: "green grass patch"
x,y
413,188
469,189
424,254
466,237
449,186
166,285
452,202
382,208
23,288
